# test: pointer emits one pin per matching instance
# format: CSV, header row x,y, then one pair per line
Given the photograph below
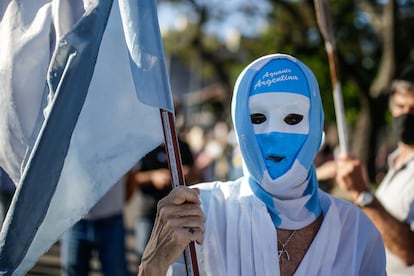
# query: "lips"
x,y
275,158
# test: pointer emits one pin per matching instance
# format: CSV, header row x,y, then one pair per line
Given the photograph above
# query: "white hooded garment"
x,y
241,236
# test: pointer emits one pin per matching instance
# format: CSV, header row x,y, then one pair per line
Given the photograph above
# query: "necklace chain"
x,y
283,254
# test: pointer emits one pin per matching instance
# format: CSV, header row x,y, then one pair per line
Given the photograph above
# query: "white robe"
x,y
240,238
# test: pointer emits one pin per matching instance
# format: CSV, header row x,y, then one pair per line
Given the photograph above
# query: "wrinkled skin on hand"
x,y
177,213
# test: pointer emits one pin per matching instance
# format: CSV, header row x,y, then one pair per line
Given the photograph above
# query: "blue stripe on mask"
x,y
267,200
286,145
313,203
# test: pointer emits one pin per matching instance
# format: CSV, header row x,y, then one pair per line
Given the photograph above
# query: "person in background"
x,y
204,160
7,189
391,208
211,151
101,230
274,220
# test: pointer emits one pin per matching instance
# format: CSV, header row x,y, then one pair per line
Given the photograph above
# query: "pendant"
x,y
283,255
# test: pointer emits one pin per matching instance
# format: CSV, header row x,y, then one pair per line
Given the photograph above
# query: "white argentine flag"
x,y
81,87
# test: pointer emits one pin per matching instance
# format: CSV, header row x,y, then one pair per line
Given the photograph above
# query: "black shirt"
x,y
148,196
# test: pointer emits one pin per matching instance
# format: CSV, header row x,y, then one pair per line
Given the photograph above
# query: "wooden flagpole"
x,y
177,176
325,25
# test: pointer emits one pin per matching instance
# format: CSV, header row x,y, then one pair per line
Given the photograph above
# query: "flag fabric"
x,y
84,82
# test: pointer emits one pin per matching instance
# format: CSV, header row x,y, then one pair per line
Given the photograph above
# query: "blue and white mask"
x,y
278,117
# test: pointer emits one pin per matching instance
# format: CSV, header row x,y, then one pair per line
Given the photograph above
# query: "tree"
x,y
366,33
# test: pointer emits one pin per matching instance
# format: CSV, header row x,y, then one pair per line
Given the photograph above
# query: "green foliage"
x,y
290,27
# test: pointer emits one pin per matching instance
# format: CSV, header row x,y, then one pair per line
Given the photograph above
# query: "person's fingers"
x,y
345,169
180,195
183,216
175,227
195,234
343,156
184,233
183,210
179,221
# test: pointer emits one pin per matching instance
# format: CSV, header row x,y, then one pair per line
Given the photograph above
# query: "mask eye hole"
x,y
257,118
293,119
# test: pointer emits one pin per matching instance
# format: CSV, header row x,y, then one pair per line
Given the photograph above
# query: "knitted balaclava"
x,y
278,117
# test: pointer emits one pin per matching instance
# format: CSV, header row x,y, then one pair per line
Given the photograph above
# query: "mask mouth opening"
x,y
275,158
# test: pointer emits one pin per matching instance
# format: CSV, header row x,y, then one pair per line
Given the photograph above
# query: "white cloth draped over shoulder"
x,y
240,238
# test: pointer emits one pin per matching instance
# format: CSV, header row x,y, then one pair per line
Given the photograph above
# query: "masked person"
x,y
392,207
273,220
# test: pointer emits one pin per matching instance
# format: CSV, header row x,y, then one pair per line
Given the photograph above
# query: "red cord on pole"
x,y
177,176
